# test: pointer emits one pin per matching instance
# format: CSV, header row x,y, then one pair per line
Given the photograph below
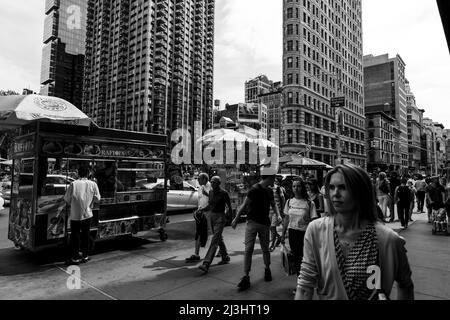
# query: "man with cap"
x,y
218,199
259,200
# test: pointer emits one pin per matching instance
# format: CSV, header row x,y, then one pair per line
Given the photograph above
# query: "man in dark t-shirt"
x,y
218,199
258,201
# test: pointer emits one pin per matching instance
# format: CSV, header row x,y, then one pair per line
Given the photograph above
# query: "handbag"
x,y
287,260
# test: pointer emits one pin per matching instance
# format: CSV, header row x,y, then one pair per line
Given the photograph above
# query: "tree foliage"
x,y
8,93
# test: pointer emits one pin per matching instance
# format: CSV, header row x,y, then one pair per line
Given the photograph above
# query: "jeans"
x,y
218,221
263,232
79,238
420,200
403,213
296,242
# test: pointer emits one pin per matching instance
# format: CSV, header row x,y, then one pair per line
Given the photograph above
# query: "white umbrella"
x,y
6,163
19,110
223,135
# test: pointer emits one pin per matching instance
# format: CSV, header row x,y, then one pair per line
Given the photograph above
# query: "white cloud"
x,y
413,29
22,25
248,42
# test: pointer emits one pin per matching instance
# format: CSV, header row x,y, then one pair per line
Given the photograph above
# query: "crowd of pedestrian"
x,y
336,232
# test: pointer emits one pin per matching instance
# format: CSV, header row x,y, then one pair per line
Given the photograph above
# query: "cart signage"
x,y
24,146
68,149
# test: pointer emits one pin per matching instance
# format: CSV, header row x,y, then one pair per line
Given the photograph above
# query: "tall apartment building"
x,y
255,87
149,64
322,59
385,90
64,49
415,130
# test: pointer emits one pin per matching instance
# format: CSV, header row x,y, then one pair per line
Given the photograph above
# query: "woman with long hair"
x,y
299,212
350,255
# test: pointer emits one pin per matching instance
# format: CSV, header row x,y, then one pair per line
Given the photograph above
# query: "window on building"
x,y
289,116
289,136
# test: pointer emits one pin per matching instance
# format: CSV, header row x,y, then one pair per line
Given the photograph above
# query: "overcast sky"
x,y
248,42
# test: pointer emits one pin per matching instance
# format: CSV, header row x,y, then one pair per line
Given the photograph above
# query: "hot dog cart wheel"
x,y
163,235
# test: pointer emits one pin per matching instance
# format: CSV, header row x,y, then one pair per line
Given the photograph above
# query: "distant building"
x,y
256,87
381,143
415,131
64,50
253,115
274,101
385,90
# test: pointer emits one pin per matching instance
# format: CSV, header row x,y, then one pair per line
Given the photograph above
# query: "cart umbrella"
x,y
223,135
307,163
16,111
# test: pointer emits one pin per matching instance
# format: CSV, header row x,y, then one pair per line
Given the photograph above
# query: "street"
x,y
145,268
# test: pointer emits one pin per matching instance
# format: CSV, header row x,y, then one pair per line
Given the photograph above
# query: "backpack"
x,y
404,194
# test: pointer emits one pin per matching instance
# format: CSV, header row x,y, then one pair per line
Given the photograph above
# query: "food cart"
x,y
46,160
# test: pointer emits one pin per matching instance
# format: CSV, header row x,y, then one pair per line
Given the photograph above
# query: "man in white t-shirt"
x,y
200,216
81,195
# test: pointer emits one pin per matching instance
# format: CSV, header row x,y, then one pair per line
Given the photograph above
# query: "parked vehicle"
x,y
5,192
177,199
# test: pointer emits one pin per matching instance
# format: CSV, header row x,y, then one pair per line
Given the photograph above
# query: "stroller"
x,y
440,221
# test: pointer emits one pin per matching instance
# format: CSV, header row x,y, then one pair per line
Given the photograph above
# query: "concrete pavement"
x,y
148,269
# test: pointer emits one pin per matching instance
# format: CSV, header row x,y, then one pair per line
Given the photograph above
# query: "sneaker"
x,y
204,267
85,259
267,275
193,258
225,260
244,284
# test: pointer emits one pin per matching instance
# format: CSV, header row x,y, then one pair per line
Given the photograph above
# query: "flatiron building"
x,y
149,64
323,59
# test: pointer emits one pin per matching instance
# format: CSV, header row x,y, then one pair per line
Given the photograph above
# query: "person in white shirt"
x,y
81,195
200,216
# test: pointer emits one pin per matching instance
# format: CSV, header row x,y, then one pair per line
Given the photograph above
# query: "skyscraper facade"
x,y
149,64
64,49
385,89
322,59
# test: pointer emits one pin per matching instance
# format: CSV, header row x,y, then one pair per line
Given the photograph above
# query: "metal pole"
x,y
435,152
338,129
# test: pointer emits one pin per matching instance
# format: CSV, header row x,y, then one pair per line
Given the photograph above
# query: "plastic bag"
x,y
287,260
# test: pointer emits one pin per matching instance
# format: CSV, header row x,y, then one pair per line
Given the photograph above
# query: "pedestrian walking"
x,y
350,255
298,213
394,182
218,199
201,217
259,200
81,195
435,196
421,187
315,196
403,200
279,195
410,184
383,191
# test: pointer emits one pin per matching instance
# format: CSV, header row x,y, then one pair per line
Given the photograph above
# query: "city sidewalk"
x,y
157,271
